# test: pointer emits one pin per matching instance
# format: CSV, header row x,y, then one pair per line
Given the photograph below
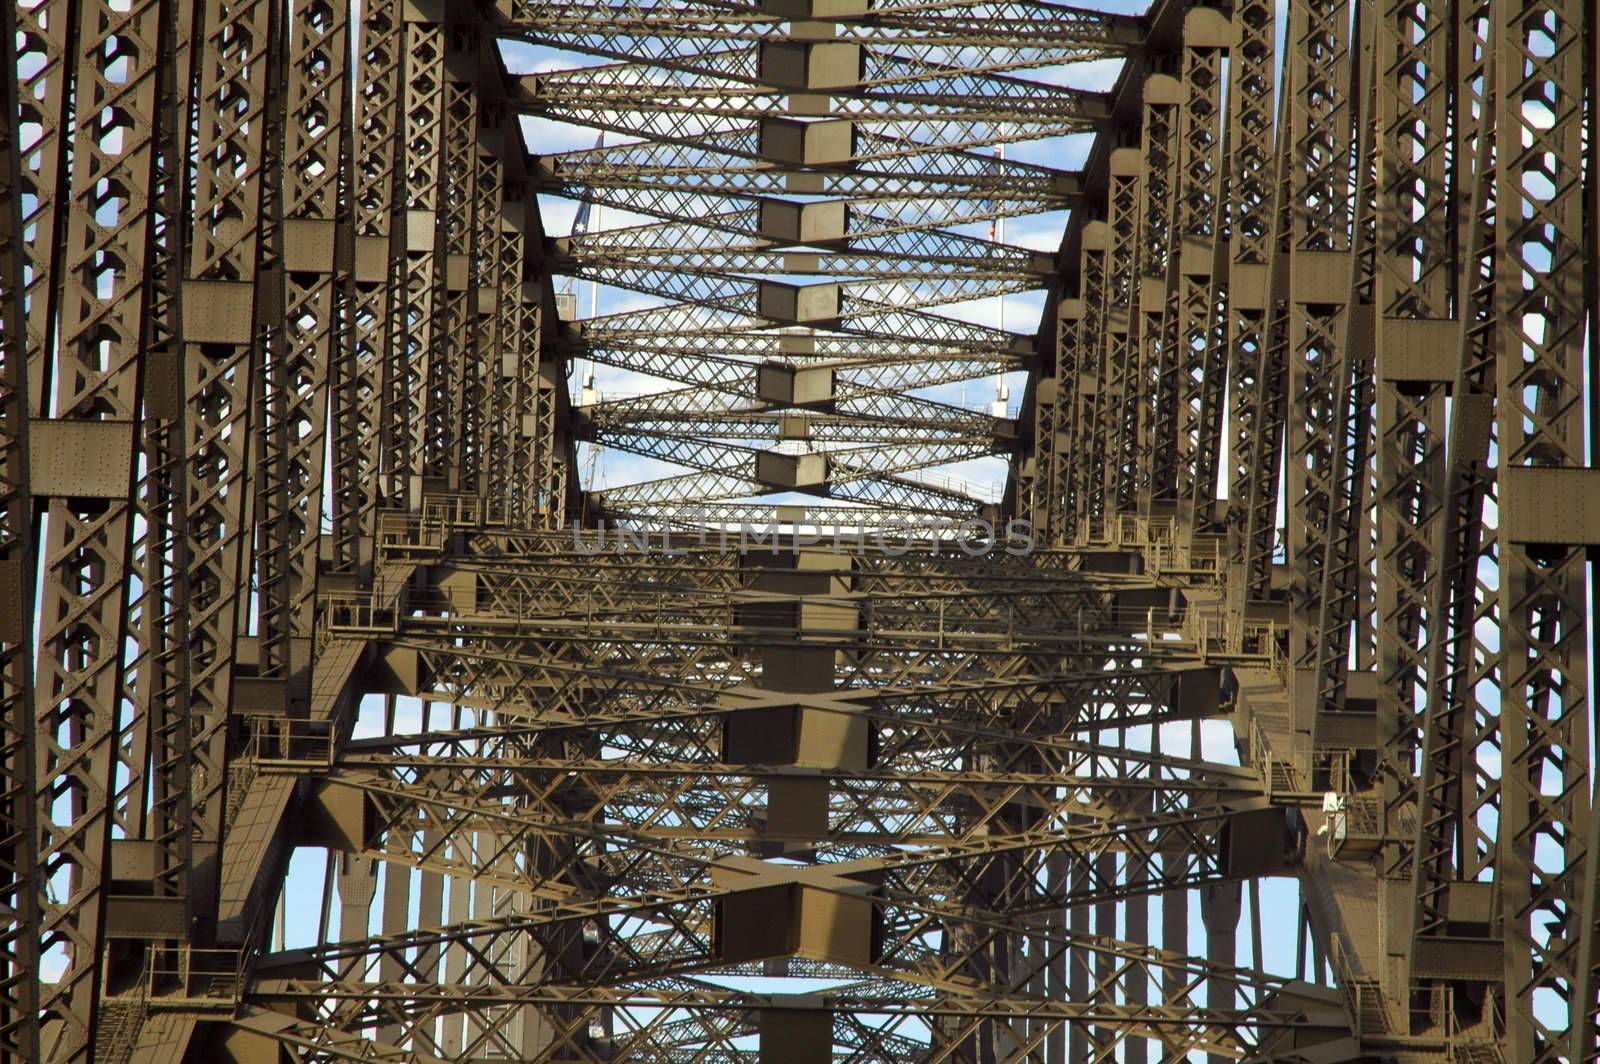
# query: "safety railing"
x,y
402,534
1207,631
1334,766
1128,530
1355,827
1252,644
1263,640
1200,561
516,609
1426,1018
991,492
1363,817
1369,1010
461,511
1341,958
358,614
405,534
280,744
1277,775
1479,1044
242,773
181,976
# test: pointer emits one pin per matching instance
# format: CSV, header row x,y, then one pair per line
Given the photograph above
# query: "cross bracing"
x,y
348,716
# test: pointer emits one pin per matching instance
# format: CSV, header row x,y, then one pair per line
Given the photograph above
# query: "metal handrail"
x,y
990,492
357,613
404,532
1264,762
182,975
1339,957
1337,763
1165,553
364,611
275,740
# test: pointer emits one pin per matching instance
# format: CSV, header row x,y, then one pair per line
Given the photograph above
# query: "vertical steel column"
x,y
1413,288
1194,363
162,684
394,918
1080,1039
317,189
1586,995
20,893
1205,511
231,292
1174,916
1119,391
1086,472
364,418
548,399
1450,844
1219,909
1252,79
1107,970
1151,473
92,376
517,371
1268,405
1072,398
47,35
486,441
1046,489
1136,918
418,375
1323,120
454,426
1338,595
425,962
1541,315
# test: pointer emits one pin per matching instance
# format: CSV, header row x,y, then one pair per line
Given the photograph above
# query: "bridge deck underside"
x,y
399,664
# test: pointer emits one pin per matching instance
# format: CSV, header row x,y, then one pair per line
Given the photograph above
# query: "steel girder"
x,y
288,460
1378,338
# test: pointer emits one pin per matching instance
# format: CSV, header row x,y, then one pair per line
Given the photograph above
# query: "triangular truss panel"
x,y
377,686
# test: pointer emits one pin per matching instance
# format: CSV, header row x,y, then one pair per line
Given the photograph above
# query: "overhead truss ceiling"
x,y
347,716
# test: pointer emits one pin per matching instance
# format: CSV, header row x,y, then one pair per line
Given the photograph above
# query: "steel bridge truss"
x,y
309,616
